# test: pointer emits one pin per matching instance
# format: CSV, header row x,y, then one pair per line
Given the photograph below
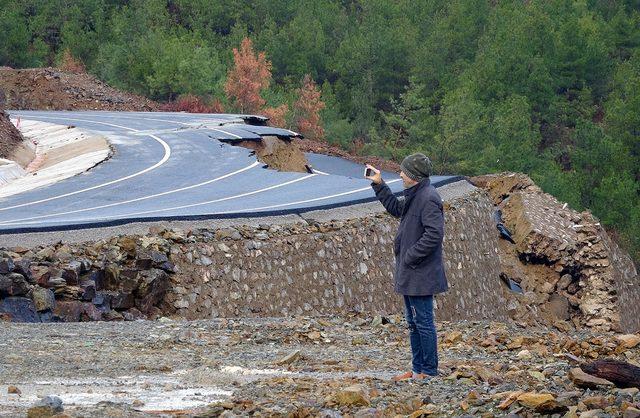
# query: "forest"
x,y
549,88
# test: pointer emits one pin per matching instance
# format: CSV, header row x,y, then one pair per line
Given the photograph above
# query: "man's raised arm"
x,y
390,202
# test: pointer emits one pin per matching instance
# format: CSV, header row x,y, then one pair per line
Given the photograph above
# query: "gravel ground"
x,y
236,367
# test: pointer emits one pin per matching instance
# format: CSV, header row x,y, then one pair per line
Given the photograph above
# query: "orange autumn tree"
x,y
307,109
251,73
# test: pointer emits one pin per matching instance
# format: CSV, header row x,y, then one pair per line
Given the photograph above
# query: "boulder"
x,y
19,309
23,266
584,380
43,299
6,265
13,284
152,289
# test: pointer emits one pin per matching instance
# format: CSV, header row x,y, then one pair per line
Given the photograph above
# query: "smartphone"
x,y
368,172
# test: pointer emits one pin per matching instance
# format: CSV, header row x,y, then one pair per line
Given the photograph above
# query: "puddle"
x,y
152,393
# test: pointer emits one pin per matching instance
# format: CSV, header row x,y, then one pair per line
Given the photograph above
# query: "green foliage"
x,y
550,88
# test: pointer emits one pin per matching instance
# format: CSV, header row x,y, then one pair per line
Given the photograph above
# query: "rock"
x,y
23,267
158,258
43,299
46,407
13,284
595,402
352,396
631,412
88,290
564,282
6,265
72,271
111,278
102,300
524,354
533,399
453,337
230,233
152,289
19,309
289,358
122,300
13,390
76,311
550,407
627,341
593,413
584,380
329,413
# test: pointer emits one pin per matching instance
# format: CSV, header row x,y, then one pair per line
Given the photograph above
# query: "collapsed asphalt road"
x,y
174,166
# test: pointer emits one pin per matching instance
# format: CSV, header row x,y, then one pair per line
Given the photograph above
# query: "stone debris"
x,y
572,273
124,278
480,373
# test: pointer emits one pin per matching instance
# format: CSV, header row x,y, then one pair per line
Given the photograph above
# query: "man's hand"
x,y
376,177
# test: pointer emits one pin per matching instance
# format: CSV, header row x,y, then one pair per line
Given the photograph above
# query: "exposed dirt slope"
x,y
53,89
570,270
10,138
279,154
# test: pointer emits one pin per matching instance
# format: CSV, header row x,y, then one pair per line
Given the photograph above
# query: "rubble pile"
x,y
54,89
572,273
120,279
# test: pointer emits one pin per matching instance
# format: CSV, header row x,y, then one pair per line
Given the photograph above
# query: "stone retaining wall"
x,y
335,266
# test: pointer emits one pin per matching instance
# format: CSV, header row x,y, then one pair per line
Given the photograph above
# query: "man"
x,y
419,271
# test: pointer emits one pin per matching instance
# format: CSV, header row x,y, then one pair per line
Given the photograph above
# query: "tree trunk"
x,y
621,373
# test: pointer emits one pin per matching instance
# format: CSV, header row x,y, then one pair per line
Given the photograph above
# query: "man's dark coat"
x,y
418,244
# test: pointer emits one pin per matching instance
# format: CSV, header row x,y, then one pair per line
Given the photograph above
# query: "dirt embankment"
x,y
10,137
53,89
279,154
572,273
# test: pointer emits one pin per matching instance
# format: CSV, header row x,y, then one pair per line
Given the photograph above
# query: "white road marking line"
x,y
172,208
302,201
165,157
315,170
191,124
50,215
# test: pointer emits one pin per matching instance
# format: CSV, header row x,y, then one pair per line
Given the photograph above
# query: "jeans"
x,y
422,334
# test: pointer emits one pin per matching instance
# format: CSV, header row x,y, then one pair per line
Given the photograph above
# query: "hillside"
x,y
539,87
53,89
